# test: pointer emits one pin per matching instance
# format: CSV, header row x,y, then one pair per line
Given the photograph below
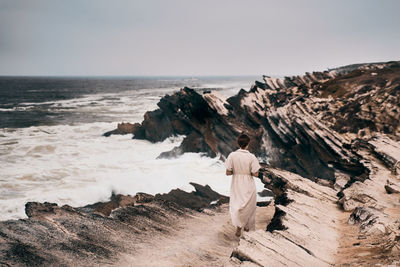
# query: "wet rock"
x,y
205,192
127,128
194,142
116,201
266,193
199,199
263,203
156,126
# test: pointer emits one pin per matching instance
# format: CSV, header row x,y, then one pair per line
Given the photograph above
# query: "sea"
x,y
52,146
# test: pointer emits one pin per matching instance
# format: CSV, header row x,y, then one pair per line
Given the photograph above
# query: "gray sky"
x,y
187,37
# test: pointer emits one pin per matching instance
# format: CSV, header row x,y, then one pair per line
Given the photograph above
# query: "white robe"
x,y
243,198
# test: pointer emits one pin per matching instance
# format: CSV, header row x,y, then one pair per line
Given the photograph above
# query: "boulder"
x,y
143,198
128,128
116,201
203,197
392,188
35,209
358,194
377,227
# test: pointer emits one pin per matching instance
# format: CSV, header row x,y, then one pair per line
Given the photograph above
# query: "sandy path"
x,y
204,239
361,249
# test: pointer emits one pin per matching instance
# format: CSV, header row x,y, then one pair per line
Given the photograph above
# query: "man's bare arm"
x,y
229,172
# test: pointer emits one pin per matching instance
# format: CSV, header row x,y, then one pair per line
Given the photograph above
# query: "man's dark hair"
x,y
243,140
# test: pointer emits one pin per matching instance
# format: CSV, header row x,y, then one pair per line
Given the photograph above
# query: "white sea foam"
x,y
229,88
75,165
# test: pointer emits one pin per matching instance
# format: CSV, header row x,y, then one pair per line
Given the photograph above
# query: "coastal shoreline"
x,y
331,144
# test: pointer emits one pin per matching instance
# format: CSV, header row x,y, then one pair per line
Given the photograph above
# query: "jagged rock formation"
x,y
98,234
203,197
296,123
126,128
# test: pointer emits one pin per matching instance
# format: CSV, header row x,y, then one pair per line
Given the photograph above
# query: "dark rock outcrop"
x,y
116,201
127,128
33,209
202,197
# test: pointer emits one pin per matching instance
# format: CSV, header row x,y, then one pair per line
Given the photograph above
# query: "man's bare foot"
x,y
238,231
246,229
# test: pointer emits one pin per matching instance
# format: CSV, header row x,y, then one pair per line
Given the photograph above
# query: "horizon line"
x,y
191,75
127,76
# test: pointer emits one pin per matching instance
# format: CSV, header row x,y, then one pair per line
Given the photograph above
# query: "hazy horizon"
x,y
187,38
179,76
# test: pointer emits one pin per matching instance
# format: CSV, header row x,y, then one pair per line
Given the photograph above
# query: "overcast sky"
x,y
172,37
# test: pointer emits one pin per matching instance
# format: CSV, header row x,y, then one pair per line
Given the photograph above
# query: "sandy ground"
x,y
360,249
357,249
204,239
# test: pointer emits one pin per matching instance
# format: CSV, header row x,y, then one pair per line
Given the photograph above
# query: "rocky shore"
x,y
330,147
104,233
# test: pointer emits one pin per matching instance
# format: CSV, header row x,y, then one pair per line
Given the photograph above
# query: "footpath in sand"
x,y
371,237
202,239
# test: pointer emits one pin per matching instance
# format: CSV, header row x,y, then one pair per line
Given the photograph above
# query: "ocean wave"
x,y
75,165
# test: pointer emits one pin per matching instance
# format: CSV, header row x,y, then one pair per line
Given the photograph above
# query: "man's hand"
x,y
255,174
229,172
